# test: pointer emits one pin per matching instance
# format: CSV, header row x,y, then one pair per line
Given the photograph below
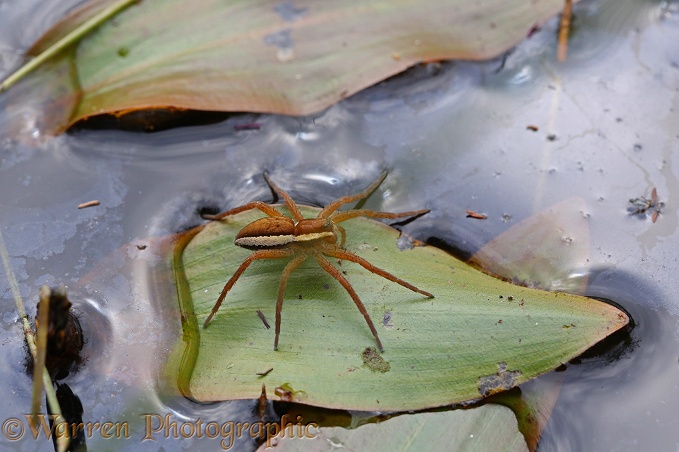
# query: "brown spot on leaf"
x,y
501,381
374,361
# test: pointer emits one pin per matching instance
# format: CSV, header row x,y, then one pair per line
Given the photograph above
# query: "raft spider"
x,y
277,236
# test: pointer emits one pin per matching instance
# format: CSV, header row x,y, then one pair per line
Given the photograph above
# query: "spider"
x,y
277,236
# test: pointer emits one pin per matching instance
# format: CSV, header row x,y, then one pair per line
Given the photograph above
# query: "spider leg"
x,y
328,267
262,254
349,214
343,235
264,207
292,265
346,255
330,208
294,210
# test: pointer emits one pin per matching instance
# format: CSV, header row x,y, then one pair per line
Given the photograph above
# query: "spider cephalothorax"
x,y
277,236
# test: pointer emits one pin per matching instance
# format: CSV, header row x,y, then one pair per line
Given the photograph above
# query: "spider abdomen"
x,y
267,232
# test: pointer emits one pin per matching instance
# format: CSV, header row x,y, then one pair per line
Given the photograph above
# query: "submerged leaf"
x,y
543,250
489,427
256,55
478,336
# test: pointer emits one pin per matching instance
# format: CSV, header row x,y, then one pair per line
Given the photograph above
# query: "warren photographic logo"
x,y
157,427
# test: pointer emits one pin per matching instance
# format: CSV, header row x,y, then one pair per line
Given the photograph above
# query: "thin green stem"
x,y
71,38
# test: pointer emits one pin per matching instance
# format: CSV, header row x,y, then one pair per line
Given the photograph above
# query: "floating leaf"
x,y
458,430
478,336
290,57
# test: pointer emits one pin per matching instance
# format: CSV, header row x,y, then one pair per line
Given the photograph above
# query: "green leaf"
x,y
450,430
478,336
256,55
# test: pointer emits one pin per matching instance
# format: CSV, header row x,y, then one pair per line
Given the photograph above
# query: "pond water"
x,y
453,136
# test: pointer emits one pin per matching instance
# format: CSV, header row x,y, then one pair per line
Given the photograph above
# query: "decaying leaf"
x,y
290,57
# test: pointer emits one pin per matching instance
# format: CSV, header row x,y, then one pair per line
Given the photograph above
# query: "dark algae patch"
x,y
374,361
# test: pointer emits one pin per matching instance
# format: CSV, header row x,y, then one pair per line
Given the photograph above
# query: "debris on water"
x,y
476,215
87,204
643,206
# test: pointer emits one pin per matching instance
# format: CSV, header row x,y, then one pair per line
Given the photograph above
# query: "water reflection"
x,y
615,377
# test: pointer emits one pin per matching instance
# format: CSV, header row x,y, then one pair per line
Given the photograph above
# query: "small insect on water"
x,y
643,206
277,236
